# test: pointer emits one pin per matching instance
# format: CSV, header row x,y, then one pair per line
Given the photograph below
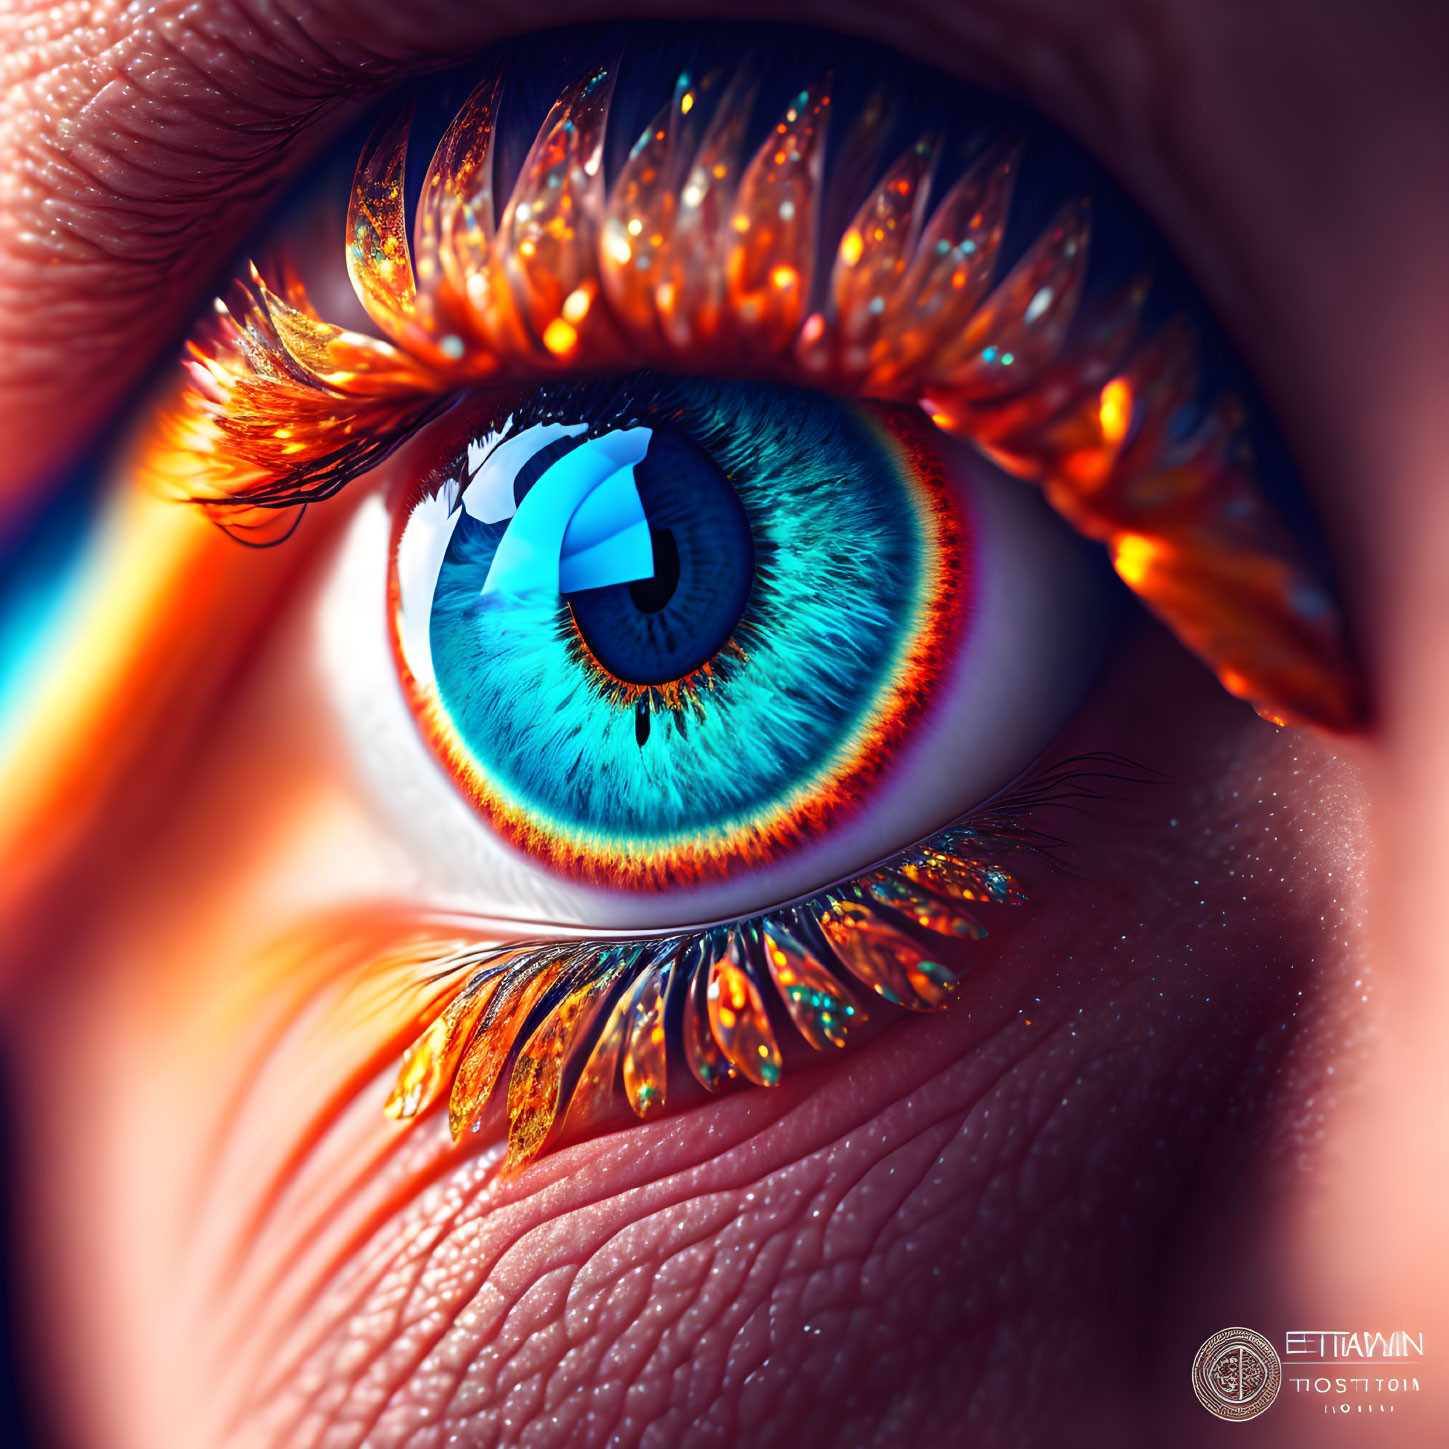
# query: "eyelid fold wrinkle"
x,y
1099,410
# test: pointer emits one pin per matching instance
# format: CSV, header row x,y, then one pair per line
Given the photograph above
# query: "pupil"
x,y
651,595
657,630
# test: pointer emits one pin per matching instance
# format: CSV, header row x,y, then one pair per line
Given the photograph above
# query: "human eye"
x,y
735,508
398,1062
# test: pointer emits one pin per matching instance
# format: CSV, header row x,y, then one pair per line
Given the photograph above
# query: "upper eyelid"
x,y
193,61
1209,552
31,418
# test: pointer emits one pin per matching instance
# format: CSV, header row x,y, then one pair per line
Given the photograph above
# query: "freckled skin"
x,y
976,1230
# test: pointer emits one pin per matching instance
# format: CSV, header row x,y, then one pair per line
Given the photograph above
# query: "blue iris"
x,y
753,562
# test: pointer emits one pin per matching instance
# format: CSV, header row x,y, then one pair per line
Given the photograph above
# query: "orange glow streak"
x,y
170,605
271,1051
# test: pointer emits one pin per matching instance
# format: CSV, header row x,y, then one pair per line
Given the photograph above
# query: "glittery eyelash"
x,y
697,256
550,1035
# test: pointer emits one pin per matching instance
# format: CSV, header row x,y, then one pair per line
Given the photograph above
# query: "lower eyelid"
x,y
549,1033
539,1044
360,1223
305,1144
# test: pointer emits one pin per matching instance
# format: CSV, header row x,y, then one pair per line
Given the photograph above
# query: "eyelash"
x,y
563,1022
282,409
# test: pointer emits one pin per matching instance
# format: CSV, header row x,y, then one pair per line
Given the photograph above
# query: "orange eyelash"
x,y
548,1033
698,258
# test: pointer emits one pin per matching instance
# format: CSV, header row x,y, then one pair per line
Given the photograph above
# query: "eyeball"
x,y
664,651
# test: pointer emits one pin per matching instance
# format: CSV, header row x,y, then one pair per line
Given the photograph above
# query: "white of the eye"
x,y
414,798
420,553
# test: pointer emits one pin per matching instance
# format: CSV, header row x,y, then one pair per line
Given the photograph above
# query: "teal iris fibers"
x,y
831,544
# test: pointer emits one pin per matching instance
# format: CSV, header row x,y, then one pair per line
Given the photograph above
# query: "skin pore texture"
x,y
1198,1083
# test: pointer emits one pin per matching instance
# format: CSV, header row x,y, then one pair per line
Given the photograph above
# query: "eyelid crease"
x,y
283,408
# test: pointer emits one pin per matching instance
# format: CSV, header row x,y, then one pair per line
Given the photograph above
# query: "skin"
x,y
1201,1086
